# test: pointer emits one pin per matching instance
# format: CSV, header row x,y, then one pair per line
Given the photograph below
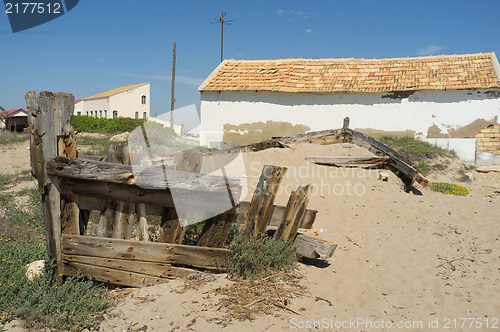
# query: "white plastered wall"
x,y
419,111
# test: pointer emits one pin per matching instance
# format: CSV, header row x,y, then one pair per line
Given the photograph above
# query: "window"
x,y
78,113
143,100
115,114
105,114
91,113
144,116
137,115
100,113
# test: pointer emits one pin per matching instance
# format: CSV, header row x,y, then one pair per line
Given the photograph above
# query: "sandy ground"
x,y
14,157
427,260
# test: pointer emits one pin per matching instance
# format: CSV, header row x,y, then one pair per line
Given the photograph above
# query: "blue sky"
x,y
101,45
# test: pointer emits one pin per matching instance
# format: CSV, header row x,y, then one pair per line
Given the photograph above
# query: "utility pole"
x,y
222,22
172,97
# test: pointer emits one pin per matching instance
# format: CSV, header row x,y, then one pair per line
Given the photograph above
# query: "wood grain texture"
x,y
294,212
200,257
260,208
139,185
94,203
49,117
326,160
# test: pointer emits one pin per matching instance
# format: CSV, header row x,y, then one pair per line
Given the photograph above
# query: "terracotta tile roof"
x,y
114,91
13,112
357,75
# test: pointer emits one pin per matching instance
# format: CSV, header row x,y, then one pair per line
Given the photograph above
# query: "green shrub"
x,y
11,137
258,257
423,167
449,188
415,149
90,124
49,301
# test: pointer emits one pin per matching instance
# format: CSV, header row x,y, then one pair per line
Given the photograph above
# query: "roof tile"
x,y
356,75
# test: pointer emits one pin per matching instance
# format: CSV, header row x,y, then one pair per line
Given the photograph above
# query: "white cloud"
x,y
430,50
308,31
280,12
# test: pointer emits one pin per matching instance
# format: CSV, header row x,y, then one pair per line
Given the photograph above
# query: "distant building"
x,y
132,101
14,120
445,100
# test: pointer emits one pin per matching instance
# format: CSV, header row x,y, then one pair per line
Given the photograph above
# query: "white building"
x,y
443,99
132,101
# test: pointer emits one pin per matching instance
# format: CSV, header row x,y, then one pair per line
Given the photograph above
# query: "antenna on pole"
x,y
222,21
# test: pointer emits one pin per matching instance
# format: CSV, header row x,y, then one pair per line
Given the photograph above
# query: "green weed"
x,y
258,257
11,137
49,301
414,149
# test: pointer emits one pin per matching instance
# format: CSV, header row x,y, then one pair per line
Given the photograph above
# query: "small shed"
x,y
14,120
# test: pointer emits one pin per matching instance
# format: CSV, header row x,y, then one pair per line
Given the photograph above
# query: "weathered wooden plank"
x,y
325,136
216,229
93,203
396,163
157,270
201,257
49,117
422,180
259,211
171,230
112,276
123,220
326,160
70,213
294,212
313,247
121,183
143,223
108,209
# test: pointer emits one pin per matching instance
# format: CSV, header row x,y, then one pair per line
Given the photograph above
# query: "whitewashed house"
x,y
443,99
132,101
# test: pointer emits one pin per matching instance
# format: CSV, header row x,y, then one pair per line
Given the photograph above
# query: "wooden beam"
x,y
164,253
143,223
294,212
259,212
325,160
121,183
311,247
171,230
49,117
216,229
70,213
112,276
396,163
148,270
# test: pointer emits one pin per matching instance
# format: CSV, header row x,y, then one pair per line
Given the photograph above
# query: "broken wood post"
x,y
294,212
70,213
260,209
143,224
216,229
171,230
325,160
49,117
310,247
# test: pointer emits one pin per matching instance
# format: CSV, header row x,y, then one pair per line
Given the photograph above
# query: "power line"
x,y
222,21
